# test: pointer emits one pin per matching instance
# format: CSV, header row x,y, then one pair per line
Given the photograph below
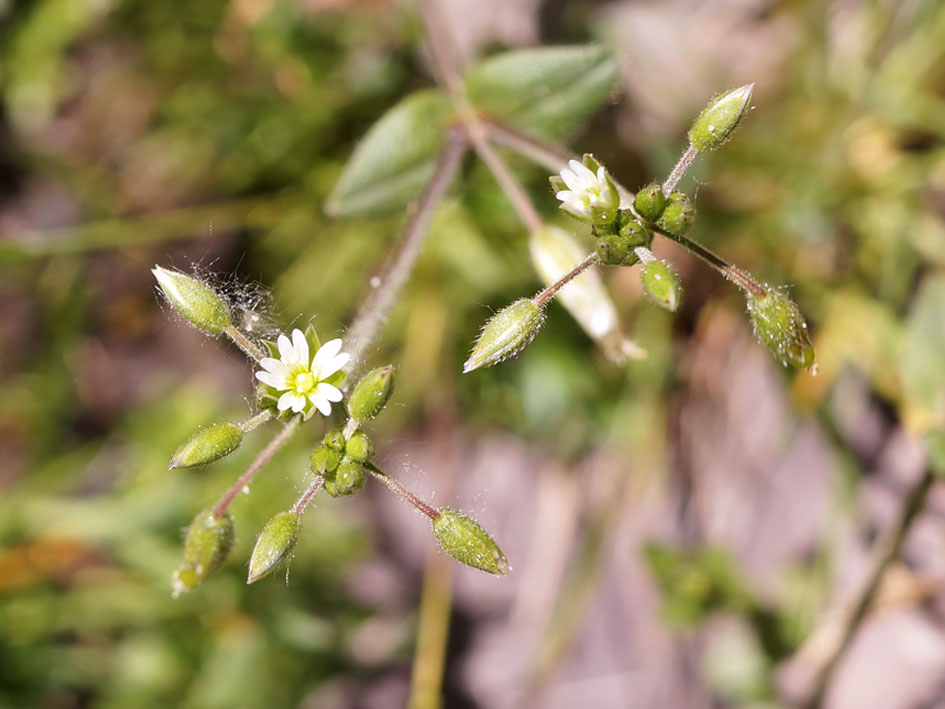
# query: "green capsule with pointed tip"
x,y
780,326
717,121
207,543
505,334
347,479
275,542
468,543
678,214
371,393
207,445
195,301
650,201
661,284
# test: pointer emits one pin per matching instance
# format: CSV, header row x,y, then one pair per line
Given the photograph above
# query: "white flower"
x,y
589,196
300,381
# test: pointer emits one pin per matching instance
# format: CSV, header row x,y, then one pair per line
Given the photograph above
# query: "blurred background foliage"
x,y
678,527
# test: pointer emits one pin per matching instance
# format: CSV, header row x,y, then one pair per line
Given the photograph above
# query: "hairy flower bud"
x,y
347,479
717,120
505,334
371,393
207,445
195,301
661,284
276,541
467,542
678,214
334,439
324,460
650,201
359,447
207,543
612,249
636,234
781,327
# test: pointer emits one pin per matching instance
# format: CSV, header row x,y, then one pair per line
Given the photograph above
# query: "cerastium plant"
x,y
410,158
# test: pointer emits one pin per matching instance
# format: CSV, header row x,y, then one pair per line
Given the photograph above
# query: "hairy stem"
x,y
376,307
250,348
740,278
890,548
256,421
550,292
400,490
441,42
679,169
306,497
265,455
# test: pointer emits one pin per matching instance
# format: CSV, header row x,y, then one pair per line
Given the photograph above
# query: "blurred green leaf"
x,y
547,90
396,157
923,359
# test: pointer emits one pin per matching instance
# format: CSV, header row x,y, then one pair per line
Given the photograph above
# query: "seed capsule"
x,y
781,327
195,301
207,445
275,543
468,543
505,334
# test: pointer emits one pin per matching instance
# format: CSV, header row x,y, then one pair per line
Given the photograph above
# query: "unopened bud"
x,y
359,447
467,542
717,120
371,393
206,546
678,214
781,327
637,235
650,201
195,301
276,541
505,334
347,479
612,249
207,445
661,284
334,439
324,460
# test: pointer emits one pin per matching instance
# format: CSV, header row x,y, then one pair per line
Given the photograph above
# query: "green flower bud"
x,y
334,439
505,334
612,249
324,460
661,284
371,393
717,120
195,301
207,543
346,480
207,445
276,541
359,447
649,201
636,234
678,214
781,327
468,543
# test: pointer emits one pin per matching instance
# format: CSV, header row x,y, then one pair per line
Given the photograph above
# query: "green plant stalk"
x,y
306,497
679,169
404,494
548,293
250,348
433,629
255,421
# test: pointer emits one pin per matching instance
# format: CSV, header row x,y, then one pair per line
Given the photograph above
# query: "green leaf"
x,y
547,90
395,158
923,359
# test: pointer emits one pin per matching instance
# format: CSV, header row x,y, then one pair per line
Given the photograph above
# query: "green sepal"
x,y
505,334
781,328
467,542
275,542
207,445
717,120
194,300
207,543
370,395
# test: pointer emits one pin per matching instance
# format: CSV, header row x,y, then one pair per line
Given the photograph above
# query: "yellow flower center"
x,y
304,382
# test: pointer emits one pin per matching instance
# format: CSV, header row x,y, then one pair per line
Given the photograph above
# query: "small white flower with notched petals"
x,y
590,196
300,381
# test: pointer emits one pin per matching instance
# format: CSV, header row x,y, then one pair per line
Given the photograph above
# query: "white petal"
x,y
583,173
570,179
286,352
301,346
565,195
328,391
334,365
291,400
275,366
272,380
320,403
325,354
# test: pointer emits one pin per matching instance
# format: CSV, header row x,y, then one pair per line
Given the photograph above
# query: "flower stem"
x,y
679,169
265,455
740,278
306,497
890,548
403,492
250,348
255,421
376,307
548,293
